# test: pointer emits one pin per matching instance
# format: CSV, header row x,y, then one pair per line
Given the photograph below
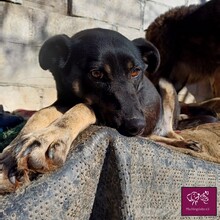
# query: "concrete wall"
x,y
25,26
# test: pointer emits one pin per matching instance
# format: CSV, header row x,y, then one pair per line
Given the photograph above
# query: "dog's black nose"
x,y
134,127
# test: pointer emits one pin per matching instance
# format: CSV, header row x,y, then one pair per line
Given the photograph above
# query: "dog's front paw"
x,y
43,151
193,145
179,141
38,152
188,144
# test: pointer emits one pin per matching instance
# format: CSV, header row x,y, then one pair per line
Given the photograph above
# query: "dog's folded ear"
x,y
149,53
55,52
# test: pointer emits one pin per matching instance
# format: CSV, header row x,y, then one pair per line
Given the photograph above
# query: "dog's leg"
x,y
170,112
8,160
180,143
43,150
42,119
169,102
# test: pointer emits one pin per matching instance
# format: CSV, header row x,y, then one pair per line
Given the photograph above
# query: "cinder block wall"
x,y
25,25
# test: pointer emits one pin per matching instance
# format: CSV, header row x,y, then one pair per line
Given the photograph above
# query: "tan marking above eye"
x,y
107,68
130,65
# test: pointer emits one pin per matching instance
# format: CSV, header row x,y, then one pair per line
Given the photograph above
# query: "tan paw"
x,y
188,144
38,152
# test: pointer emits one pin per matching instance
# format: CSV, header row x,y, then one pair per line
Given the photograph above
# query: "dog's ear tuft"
x,y
55,52
149,53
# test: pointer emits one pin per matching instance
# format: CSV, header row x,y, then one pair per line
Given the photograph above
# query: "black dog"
x,y
105,71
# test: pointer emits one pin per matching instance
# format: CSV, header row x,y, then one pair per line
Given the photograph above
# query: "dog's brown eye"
x,y
135,72
96,74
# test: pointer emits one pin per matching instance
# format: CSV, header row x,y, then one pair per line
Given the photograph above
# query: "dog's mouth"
x,y
132,127
131,134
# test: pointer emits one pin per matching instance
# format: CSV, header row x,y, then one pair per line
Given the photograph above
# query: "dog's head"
x,y
105,70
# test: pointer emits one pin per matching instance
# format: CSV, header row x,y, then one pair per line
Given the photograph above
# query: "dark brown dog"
x,y
105,71
188,39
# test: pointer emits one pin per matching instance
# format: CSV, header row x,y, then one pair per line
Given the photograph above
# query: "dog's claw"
x,y
52,149
12,179
26,152
51,152
18,148
30,148
193,145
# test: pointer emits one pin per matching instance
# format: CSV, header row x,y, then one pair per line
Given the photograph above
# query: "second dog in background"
x,y
188,39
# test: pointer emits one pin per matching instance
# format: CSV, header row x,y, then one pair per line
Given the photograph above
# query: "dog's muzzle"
x,y
133,127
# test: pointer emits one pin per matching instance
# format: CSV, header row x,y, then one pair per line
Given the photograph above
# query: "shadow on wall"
x,y
21,35
15,21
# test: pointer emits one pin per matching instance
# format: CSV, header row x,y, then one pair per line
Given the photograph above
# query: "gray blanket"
x,y
108,176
